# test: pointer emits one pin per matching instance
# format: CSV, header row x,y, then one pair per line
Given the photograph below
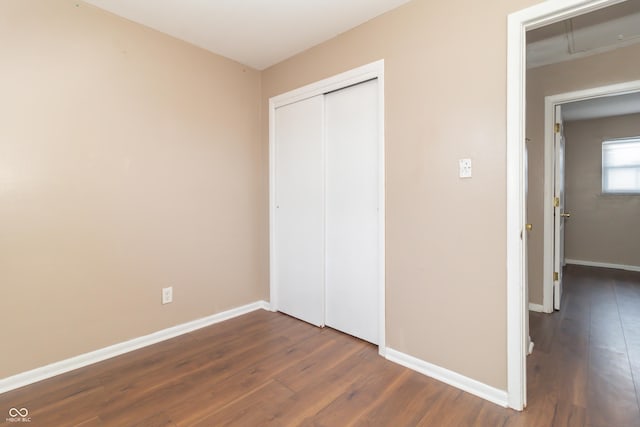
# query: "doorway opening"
x,y
519,23
603,101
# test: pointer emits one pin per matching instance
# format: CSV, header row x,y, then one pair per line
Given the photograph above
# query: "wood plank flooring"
x,y
585,367
268,369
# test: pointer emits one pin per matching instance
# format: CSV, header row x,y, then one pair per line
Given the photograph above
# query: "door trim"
x,y
550,102
374,70
517,24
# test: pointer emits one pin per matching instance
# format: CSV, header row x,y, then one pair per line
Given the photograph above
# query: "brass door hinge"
x,y
556,128
556,276
556,202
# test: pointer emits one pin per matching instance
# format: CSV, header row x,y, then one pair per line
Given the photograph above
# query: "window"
x,y
621,166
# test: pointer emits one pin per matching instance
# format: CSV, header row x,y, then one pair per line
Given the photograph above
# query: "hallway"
x,y
585,367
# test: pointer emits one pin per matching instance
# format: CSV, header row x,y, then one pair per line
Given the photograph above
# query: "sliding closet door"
x,y
352,210
299,209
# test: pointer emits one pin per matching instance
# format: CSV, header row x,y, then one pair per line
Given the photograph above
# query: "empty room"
x,y
287,213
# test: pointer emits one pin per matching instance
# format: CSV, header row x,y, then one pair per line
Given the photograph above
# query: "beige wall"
x,y
607,68
129,161
602,228
445,95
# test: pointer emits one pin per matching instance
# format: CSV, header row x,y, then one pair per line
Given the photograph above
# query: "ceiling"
x,y
602,30
261,33
595,32
257,33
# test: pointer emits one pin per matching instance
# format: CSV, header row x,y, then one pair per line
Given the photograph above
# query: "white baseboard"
x,y
602,265
57,368
536,307
492,394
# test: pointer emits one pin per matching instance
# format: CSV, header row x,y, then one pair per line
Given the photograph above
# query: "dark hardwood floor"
x,y
267,369
585,367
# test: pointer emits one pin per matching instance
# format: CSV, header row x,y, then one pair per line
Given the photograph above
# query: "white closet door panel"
x,y
299,221
352,210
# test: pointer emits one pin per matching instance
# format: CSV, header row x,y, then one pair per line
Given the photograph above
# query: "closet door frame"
x,y
374,70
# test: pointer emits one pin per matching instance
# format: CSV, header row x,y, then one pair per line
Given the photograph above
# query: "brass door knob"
x,y
529,227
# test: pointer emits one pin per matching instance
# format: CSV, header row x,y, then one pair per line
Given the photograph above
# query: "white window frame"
x,y
605,167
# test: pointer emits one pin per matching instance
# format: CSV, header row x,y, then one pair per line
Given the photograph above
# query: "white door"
x,y
299,206
559,213
352,210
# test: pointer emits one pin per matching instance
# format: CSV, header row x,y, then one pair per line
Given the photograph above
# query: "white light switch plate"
x,y
167,295
465,168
